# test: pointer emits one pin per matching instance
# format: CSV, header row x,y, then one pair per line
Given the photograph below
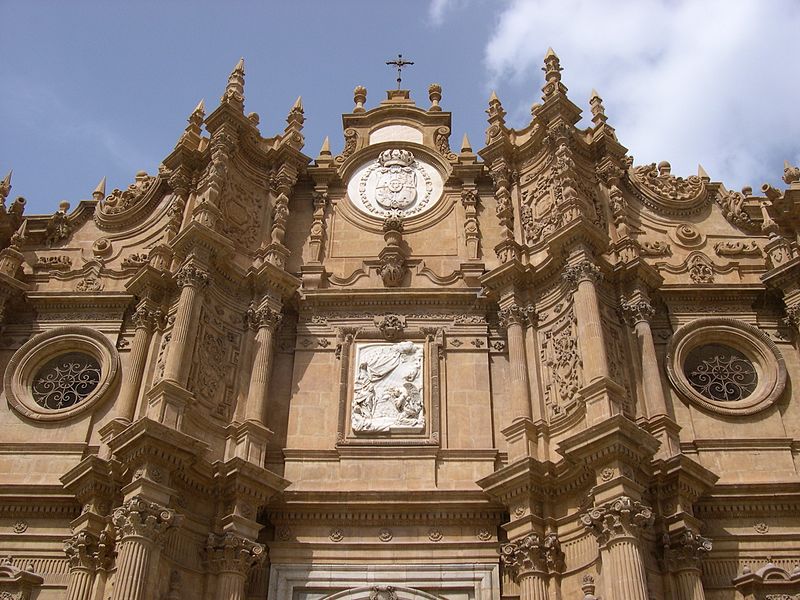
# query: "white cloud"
x,y
438,8
687,81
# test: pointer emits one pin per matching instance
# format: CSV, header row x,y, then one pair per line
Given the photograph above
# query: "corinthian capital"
x,y
81,550
685,551
192,275
637,308
147,318
532,554
231,552
585,270
620,518
517,315
140,518
262,317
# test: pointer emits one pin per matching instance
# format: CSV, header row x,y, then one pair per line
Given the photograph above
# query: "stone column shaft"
x,y
231,586
590,330
176,368
651,375
514,318
629,580
133,566
533,586
81,582
689,586
132,376
256,408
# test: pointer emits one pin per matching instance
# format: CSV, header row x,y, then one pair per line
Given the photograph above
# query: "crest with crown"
x,y
402,158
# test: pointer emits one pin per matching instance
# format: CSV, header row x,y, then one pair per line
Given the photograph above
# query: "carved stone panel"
x,y
388,388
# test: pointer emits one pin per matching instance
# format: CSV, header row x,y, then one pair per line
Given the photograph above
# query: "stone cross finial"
x,y
399,63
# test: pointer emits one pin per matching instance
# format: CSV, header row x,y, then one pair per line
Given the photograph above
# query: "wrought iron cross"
x,y
399,63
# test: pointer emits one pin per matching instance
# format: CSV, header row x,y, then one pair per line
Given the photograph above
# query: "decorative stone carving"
x,y
588,588
90,283
469,199
688,235
262,317
396,180
686,551
135,260
585,270
380,592
620,518
701,269
391,326
139,518
559,351
54,263
732,206
737,248
58,227
517,315
88,550
442,140
532,554
120,201
665,193
388,388
16,583
191,275
790,174
230,552
637,309
657,248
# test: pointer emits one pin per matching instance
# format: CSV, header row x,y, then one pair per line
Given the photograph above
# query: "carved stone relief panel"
x,y
215,360
618,358
242,211
388,388
562,376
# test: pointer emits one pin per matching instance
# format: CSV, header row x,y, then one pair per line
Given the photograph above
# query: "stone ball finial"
x,y
359,97
254,118
63,206
664,168
747,190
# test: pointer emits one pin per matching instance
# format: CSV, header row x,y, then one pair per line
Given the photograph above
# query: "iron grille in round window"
x,y
720,373
66,380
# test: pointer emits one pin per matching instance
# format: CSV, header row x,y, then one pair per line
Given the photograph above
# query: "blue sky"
x,y
95,89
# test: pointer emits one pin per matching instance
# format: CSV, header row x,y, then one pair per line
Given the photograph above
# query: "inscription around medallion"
x,y
395,181
388,388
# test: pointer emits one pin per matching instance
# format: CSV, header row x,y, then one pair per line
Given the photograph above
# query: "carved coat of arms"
x,y
396,186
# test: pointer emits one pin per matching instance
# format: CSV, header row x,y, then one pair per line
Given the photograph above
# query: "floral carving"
x,y
656,248
442,141
618,519
336,535
19,526
701,270
231,552
380,592
636,309
559,351
385,535
663,192
685,551
121,200
54,263
391,326
517,315
140,518
90,283
737,248
191,275
435,535
392,270
59,227
532,554
134,261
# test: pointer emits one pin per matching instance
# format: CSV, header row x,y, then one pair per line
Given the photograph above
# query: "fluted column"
x,y
231,557
515,319
617,525
144,320
191,279
86,552
140,527
265,320
530,560
638,312
682,557
583,278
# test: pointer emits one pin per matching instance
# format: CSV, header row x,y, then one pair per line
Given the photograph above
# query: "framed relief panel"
x,y
390,392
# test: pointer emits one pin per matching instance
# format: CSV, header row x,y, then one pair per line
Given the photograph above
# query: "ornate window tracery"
x,y
726,366
65,380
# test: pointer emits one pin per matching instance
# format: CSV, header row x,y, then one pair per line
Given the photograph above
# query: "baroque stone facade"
x,y
537,371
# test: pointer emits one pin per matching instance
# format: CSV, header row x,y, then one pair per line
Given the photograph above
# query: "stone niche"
x,y
388,388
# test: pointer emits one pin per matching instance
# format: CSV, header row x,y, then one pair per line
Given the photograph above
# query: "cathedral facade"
x,y
404,372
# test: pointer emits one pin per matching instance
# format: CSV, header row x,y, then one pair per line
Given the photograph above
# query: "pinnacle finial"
x,y
234,91
296,117
201,107
326,147
5,186
701,173
20,235
493,97
359,97
298,104
465,145
495,110
598,110
552,74
100,191
435,96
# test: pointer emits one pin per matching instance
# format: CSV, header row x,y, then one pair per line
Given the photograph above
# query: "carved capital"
x,y
147,318
262,317
143,519
792,318
685,551
532,554
86,550
583,271
636,309
191,275
517,315
619,519
231,552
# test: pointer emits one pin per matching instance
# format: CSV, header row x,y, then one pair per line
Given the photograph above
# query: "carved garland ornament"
x,y
664,193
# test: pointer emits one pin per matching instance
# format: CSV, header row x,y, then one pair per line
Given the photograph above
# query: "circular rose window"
x,y
65,380
61,372
725,365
